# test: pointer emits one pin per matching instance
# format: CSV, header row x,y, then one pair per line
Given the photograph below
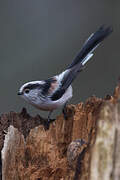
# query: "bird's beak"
x,y
19,93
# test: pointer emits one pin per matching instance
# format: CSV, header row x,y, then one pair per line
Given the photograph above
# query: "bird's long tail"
x,y
90,45
80,60
84,55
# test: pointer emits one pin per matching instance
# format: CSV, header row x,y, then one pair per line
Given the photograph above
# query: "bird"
x,y
56,91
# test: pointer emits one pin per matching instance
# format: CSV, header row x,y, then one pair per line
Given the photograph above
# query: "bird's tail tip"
x,y
107,29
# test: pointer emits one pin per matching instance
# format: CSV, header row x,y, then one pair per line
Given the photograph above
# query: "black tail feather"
x,y
79,61
91,43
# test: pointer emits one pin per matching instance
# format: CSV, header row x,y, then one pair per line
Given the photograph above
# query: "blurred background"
x,y
38,39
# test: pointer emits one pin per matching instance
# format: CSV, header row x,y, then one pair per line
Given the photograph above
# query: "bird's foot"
x,y
47,123
65,113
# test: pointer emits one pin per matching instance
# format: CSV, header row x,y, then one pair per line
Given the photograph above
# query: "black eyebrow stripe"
x,y
33,86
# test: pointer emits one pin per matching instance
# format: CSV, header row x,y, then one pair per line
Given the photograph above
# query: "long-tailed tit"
x,y
54,92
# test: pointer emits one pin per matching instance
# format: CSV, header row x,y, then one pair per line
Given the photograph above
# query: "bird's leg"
x,y
65,111
47,124
50,112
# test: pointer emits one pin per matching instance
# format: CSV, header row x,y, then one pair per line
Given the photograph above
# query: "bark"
x,y
0,166
83,147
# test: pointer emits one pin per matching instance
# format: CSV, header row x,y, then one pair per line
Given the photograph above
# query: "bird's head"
x,y
31,91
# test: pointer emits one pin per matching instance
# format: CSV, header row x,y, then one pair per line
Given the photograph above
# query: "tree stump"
x,y
83,147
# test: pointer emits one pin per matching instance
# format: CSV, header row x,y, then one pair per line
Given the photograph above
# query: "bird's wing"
x,y
49,87
64,79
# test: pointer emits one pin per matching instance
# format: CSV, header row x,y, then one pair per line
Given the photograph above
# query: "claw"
x,y
65,112
46,125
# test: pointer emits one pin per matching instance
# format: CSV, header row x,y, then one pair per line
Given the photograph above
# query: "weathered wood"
x,y
31,153
116,157
43,154
105,161
0,166
102,155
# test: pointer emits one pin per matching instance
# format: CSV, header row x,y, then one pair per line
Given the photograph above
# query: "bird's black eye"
x,y
27,91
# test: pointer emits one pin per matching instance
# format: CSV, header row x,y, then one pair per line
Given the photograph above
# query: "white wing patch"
x,y
86,59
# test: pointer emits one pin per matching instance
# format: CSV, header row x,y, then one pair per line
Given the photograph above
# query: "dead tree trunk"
x,y
0,166
84,147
